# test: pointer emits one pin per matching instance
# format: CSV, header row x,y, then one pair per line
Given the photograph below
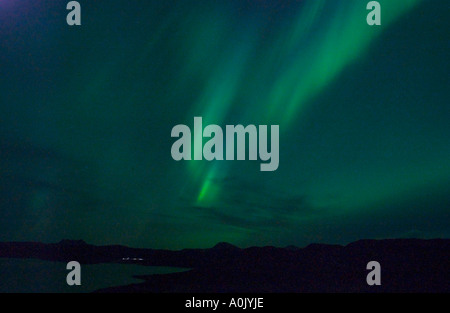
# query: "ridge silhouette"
x,y
407,265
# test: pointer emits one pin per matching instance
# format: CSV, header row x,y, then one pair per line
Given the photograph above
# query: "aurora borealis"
x,y
86,115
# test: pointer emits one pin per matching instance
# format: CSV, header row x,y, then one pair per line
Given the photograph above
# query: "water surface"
x,y
31,275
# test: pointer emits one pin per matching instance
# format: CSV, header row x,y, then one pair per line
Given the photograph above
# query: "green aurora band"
x,y
340,37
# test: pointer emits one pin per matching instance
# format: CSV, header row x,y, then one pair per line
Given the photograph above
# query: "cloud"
x,y
250,205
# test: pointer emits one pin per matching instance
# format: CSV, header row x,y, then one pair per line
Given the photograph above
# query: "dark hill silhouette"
x,y
225,246
407,265
292,247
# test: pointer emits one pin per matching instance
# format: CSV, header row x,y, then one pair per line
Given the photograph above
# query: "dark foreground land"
x,y
407,265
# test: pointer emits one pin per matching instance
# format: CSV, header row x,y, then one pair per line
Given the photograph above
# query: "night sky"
x,y
86,115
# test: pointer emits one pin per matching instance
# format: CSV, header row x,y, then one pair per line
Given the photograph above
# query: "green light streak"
x,y
340,35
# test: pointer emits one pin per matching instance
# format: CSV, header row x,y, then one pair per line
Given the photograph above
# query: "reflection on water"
x,y
30,275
